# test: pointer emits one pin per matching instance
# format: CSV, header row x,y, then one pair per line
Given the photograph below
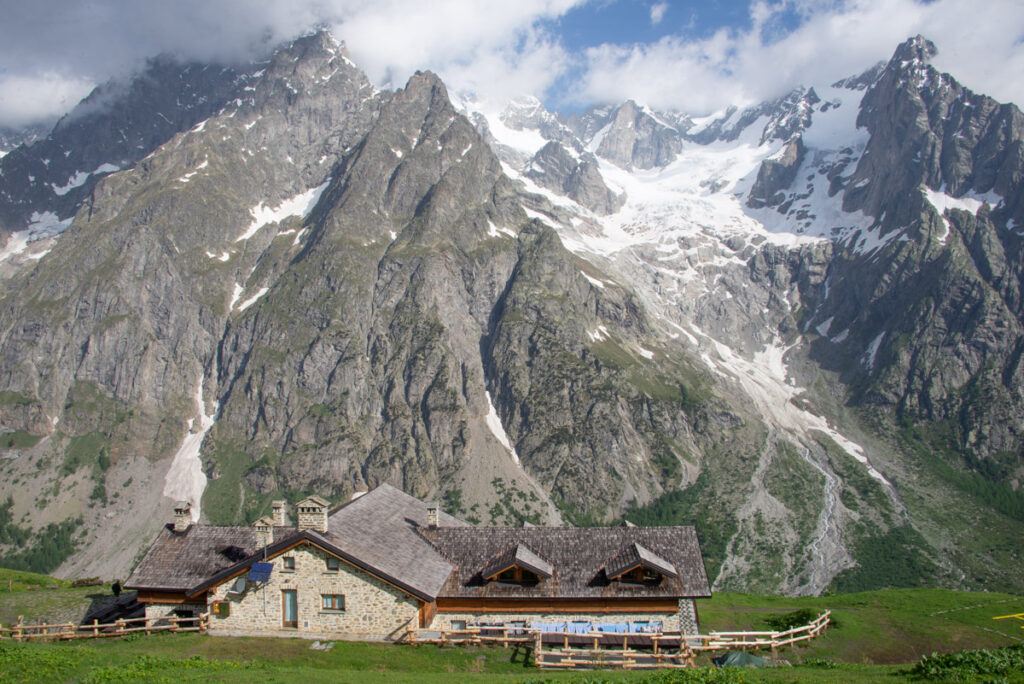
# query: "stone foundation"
x,y
155,611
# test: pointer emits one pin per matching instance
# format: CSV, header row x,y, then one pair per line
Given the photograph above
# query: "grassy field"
x,y
878,636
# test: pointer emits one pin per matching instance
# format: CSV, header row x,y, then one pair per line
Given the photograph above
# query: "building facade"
x,y
386,562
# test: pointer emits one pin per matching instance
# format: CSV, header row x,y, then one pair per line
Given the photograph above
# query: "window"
x,y
332,602
333,564
641,575
516,575
289,562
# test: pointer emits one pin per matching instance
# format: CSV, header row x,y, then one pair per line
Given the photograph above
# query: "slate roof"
x,y
178,561
578,555
376,532
385,532
380,528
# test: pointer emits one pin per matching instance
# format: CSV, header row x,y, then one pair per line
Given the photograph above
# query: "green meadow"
x,y
881,636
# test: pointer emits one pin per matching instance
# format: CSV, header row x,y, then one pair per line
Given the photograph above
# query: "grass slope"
x,y
878,636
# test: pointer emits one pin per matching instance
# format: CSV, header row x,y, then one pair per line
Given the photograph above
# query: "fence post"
x,y
95,627
18,628
120,625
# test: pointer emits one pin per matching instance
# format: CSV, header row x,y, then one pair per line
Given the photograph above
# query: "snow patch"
x,y
601,333
593,281
297,205
494,423
185,480
252,300
872,351
41,226
235,295
75,181
188,176
970,203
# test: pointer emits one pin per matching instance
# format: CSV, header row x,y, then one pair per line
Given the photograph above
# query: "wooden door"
x,y
290,608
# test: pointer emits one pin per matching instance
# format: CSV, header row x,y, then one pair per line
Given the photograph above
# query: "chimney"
x,y
433,512
264,528
280,516
182,516
312,514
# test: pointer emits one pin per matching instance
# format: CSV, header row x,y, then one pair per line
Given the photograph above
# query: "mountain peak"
x,y
918,50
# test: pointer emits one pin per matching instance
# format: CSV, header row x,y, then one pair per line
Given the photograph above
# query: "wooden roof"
x,y
578,556
517,554
635,555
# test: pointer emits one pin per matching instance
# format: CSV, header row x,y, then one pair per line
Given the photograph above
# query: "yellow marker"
x,y
1018,616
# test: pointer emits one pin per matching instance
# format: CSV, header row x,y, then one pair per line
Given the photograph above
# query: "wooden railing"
x,y
96,630
730,641
496,634
638,650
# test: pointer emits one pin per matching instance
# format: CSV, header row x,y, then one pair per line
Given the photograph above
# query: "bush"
x,y
966,666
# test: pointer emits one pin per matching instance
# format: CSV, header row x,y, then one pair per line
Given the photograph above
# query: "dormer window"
x,y
517,575
636,564
641,575
517,565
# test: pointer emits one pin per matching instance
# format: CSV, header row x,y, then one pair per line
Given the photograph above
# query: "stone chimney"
x,y
264,528
182,516
280,516
312,514
433,513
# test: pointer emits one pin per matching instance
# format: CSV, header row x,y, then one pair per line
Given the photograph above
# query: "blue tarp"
x,y
608,627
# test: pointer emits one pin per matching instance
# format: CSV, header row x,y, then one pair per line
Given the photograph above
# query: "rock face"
x,y
575,176
776,175
112,129
295,283
635,138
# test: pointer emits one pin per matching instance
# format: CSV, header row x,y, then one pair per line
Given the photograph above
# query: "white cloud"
x,y
87,43
52,52
27,99
483,46
978,44
658,12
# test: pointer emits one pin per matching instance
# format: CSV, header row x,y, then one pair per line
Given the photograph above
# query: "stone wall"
x,y
688,616
373,608
160,610
669,621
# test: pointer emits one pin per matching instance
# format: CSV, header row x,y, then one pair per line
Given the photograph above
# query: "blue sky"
x,y
696,57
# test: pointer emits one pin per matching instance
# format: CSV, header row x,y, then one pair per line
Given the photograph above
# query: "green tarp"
x,y
739,659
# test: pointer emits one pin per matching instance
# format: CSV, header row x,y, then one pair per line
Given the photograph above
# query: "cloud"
x,y
25,100
53,51
978,44
62,46
658,12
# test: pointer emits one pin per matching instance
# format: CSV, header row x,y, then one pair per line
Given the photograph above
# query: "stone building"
x,y
386,561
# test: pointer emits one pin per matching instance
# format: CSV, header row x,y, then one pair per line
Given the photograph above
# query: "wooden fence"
x,y
746,641
69,630
635,650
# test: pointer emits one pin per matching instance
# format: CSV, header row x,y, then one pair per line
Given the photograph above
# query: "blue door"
x,y
290,601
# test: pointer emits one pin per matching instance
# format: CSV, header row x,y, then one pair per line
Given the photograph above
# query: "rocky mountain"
x,y
797,325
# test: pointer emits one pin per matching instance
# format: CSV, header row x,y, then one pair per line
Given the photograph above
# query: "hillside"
x,y
796,325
